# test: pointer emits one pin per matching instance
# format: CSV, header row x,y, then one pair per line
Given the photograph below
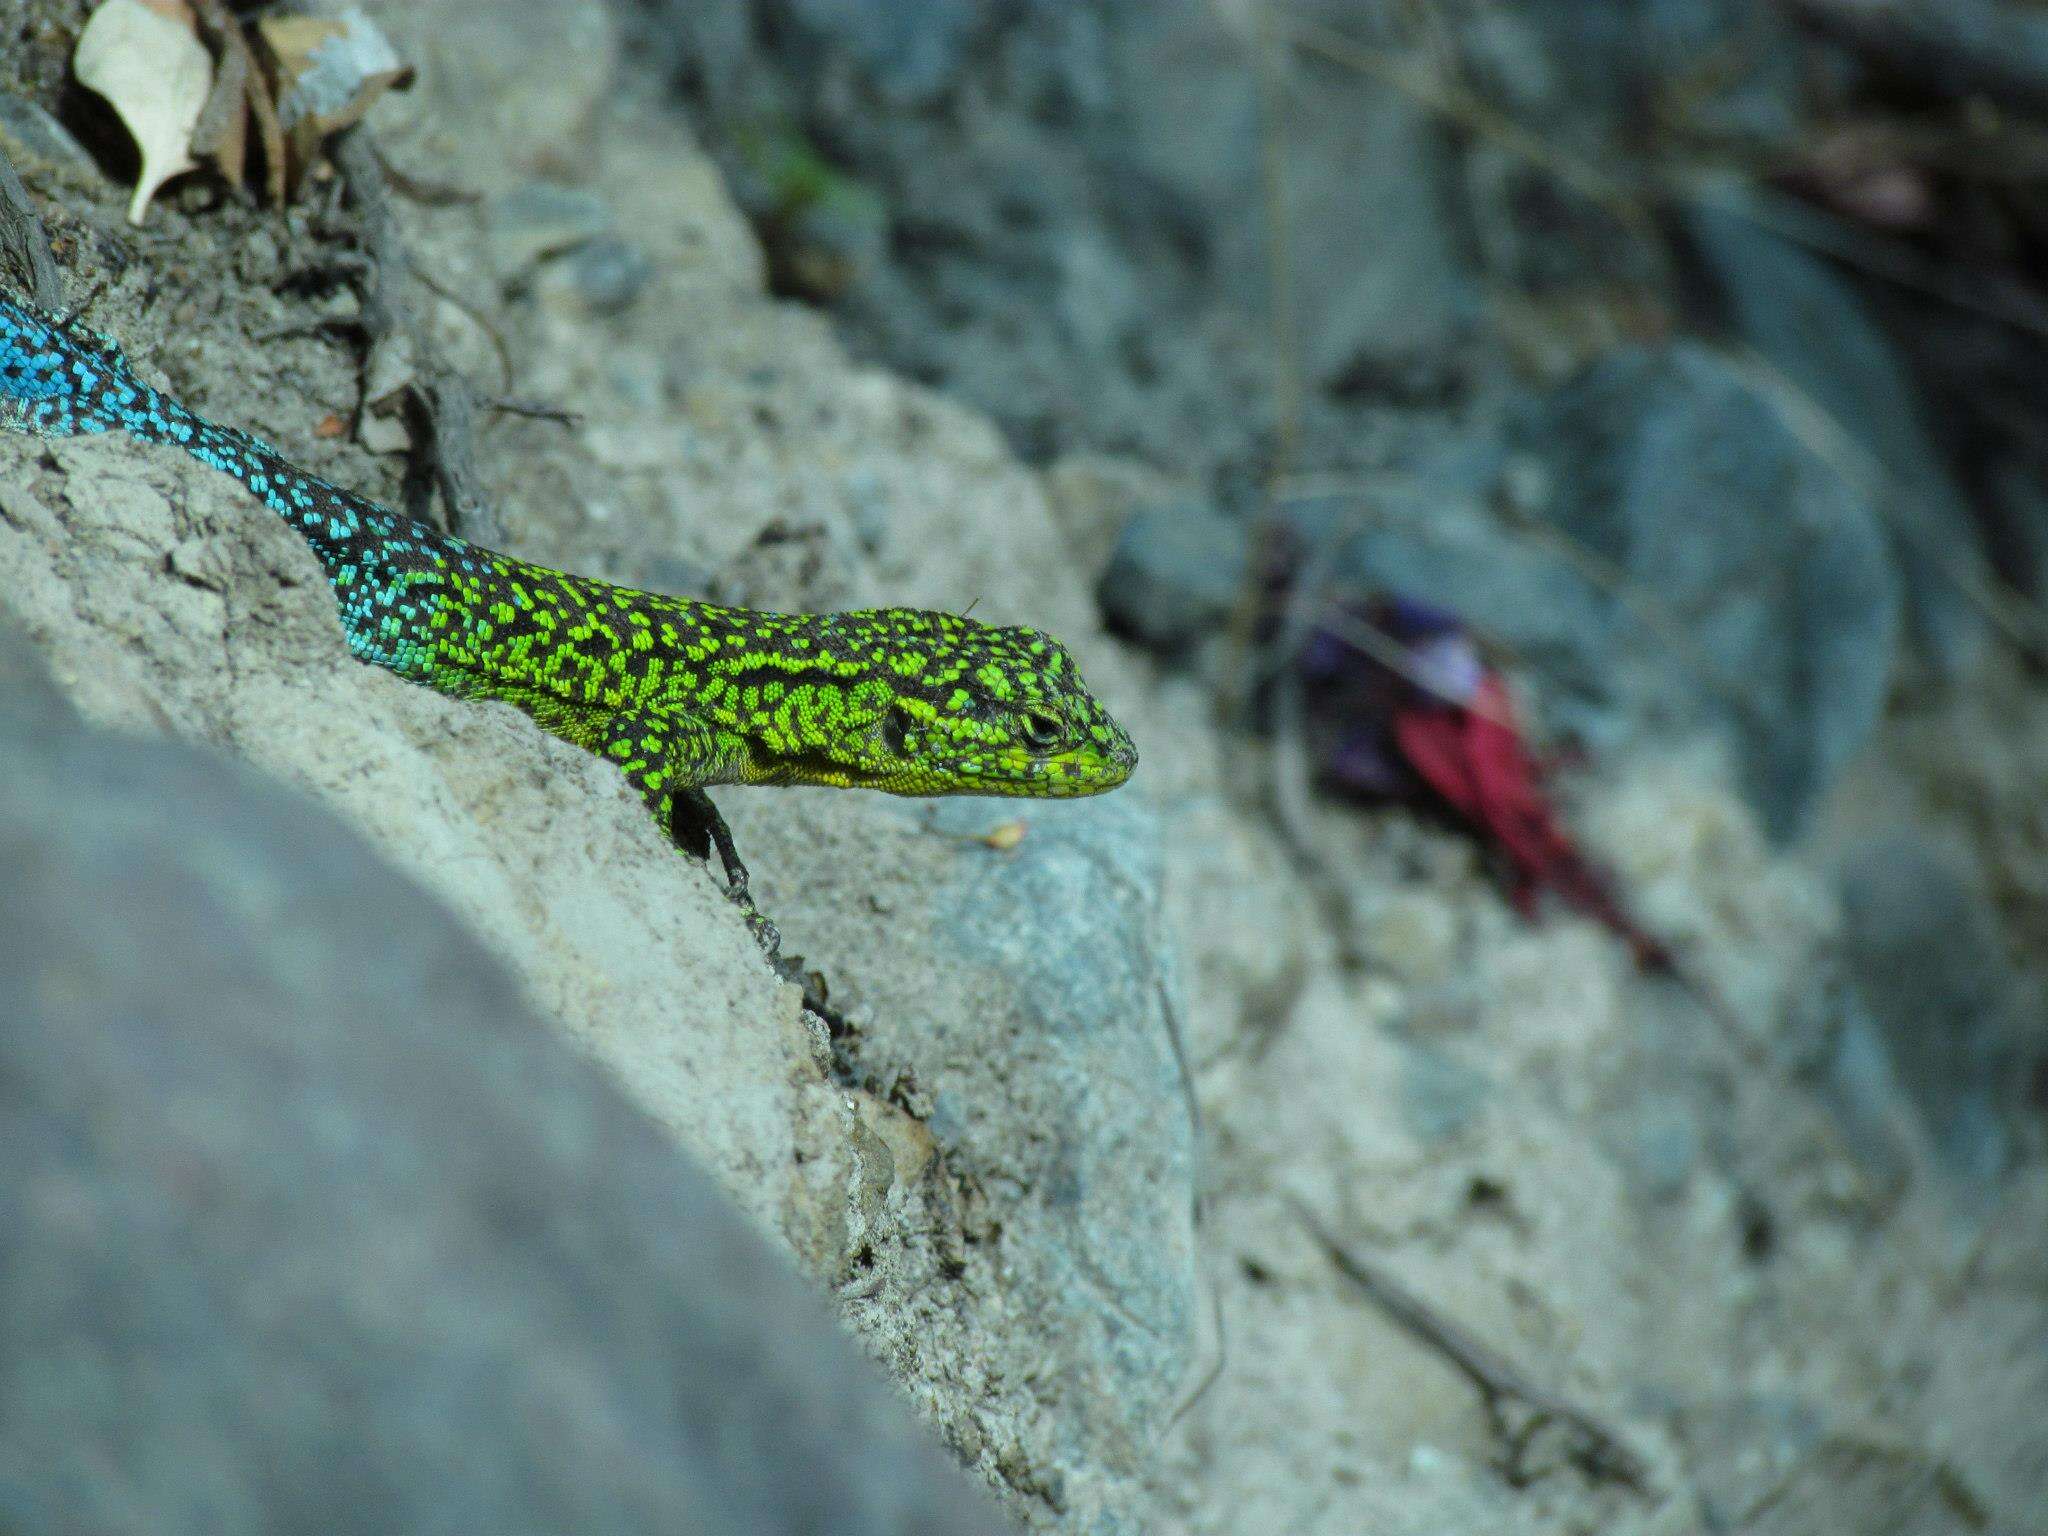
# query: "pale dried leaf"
x,y
147,61
1005,836
330,69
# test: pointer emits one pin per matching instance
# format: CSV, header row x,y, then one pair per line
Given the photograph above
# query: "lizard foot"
x,y
701,828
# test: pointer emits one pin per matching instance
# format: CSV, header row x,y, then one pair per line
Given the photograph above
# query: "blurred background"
x,y
1555,1037
1680,359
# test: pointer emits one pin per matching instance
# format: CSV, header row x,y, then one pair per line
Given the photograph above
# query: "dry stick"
x,y
2015,155
26,244
1603,1453
532,411
1858,246
441,405
1293,774
1377,645
1269,82
475,312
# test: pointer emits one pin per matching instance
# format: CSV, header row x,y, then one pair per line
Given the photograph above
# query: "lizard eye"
x,y
1042,730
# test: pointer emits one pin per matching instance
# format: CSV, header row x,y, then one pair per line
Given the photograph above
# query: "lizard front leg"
x,y
668,757
696,826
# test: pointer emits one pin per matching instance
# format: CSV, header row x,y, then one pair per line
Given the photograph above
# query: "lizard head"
x,y
948,706
1005,712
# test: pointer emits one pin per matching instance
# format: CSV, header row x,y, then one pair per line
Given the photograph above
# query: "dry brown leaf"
x,y
145,58
222,132
329,70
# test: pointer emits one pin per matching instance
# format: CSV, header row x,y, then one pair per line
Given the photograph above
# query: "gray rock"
x,y
1665,1148
539,220
1066,940
1801,317
1175,573
1193,101
1759,592
1380,283
911,50
1926,964
1035,992
1862,1089
1022,246
1440,1095
1378,278
2014,484
529,80
311,1226
610,274
28,699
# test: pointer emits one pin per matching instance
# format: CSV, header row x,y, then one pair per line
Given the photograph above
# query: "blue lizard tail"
x,y
59,379
62,380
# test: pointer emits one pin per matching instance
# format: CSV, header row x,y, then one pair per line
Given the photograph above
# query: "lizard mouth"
x,y
1060,776
1088,770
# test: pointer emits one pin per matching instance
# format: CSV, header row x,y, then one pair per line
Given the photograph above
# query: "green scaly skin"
x,y
679,694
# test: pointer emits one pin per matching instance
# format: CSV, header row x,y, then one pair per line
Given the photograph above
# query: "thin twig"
x,y
26,244
417,189
532,410
1470,110
1602,1452
1293,774
1379,646
476,314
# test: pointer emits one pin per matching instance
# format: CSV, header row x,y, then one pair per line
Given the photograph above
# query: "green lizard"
x,y
681,695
